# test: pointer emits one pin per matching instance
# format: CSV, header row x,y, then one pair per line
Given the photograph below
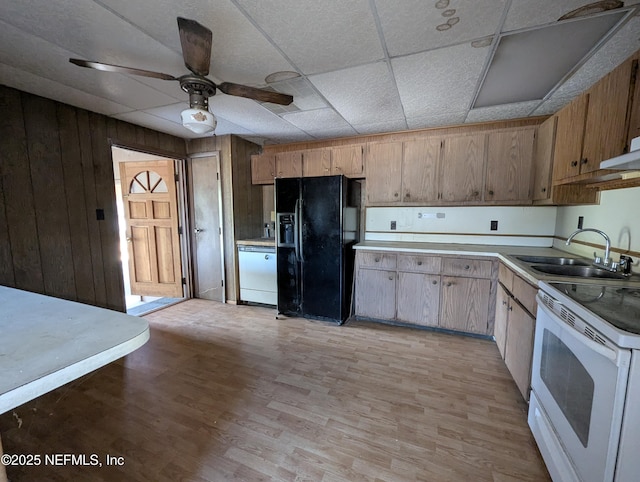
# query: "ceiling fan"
x,y
196,51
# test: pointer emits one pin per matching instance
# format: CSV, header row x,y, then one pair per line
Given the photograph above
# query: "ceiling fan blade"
x,y
254,93
196,46
120,69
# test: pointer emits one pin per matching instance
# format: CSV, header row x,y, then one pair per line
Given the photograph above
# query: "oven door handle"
x,y
580,337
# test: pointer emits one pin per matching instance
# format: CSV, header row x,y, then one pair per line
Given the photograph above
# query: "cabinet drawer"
x,y
377,260
472,268
525,294
505,276
419,263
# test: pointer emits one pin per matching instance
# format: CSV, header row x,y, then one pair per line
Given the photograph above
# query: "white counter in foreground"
x,y
46,342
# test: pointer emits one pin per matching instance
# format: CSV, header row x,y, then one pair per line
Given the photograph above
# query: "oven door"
x,y
579,387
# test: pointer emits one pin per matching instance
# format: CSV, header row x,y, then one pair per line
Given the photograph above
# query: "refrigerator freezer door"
x,y
321,247
287,193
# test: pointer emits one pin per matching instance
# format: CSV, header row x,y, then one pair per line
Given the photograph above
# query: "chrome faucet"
x,y
605,263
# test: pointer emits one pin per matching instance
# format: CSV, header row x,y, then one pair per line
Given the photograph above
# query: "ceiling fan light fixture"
x,y
200,121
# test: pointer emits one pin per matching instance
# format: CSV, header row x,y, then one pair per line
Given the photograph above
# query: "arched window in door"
x,y
147,182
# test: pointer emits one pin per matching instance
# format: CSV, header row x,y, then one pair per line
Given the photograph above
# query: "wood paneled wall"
x,y
241,200
56,174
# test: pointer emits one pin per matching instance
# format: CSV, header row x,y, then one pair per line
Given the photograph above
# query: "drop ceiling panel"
x,y
316,119
525,13
240,53
51,61
506,111
439,81
363,94
153,122
420,25
551,105
319,36
436,120
332,132
376,128
45,87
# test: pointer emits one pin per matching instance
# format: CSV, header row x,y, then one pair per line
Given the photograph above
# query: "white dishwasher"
x,y
258,275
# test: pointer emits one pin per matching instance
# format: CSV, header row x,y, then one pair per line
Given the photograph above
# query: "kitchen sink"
x,y
577,271
554,260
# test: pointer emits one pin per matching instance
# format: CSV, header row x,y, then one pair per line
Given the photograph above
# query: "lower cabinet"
x,y
515,326
446,292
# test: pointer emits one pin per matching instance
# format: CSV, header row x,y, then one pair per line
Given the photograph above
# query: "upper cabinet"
x,y
289,164
316,162
461,168
420,163
263,168
348,160
509,165
384,172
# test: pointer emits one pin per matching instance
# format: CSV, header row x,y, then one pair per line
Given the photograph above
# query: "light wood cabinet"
x,y
289,164
316,162
544,192
436,291
465,304
461,168
634,108
420,163
384,172
509,165
514,326
263,169
606,124
348,160
570,134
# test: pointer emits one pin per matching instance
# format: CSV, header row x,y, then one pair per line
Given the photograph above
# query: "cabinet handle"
x,y
391,278
510,308
407,195
504,303
544,189
584,161
434,282
377,260
476,193
574,163
395,194
449,283
419,263
266,256
466,266
490,192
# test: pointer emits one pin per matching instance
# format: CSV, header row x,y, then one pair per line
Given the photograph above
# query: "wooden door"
x,y
606,128
316,162
206,222
502,318
420,162
461,168
464,304
569,134
347,160
384,165
519,347
289,164
151,212
543,159
418,298
509,165
376,294
263,169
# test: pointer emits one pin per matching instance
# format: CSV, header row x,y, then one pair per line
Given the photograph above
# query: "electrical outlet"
x,y
393,225
580,221
494,225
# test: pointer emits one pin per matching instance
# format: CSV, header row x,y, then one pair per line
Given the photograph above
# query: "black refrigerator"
x,y
316,228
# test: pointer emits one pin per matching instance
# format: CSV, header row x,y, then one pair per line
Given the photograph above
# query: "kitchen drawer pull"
x,y
266,256
434,282
391,278
419,263
449,283
377,259
466,266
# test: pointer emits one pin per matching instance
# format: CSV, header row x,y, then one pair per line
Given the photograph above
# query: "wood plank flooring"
x,y
224,392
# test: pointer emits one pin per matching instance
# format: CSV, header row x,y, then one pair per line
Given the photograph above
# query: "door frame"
x,y
183,217
191,239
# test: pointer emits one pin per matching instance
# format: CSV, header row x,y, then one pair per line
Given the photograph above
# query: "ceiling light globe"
x,y
199,121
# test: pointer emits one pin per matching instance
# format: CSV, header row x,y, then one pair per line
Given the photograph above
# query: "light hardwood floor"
x,y
225,392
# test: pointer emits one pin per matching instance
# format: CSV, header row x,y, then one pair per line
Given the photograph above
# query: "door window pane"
x,y
569,383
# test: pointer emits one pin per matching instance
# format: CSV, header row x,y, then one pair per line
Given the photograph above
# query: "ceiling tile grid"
x,y
361,66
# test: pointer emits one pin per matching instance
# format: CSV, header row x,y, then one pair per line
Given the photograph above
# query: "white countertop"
x,y
506,254
46,342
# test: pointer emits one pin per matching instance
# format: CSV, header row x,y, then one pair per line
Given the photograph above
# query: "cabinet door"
x,y
502,317
461,168
464,304
376,294
543,160
420,162
384,164
316,162
509,165
519,347
570,134
289,164
418,298
605,131
347,160
263,169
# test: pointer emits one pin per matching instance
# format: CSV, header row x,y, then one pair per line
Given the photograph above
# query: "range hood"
x,y
628,162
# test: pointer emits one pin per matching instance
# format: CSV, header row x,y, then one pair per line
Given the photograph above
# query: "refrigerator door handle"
x,y
296,223
299,225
